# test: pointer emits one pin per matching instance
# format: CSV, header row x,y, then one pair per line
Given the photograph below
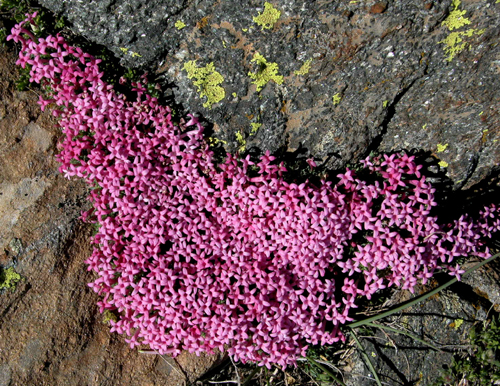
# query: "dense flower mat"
x,y
197,256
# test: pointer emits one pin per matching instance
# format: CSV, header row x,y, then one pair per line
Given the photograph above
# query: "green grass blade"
x,y
326,370
409,334
419,298
367,358
250,377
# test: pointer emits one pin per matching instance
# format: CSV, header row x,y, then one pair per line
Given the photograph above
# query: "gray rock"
x,y
485,282
380,78
444,320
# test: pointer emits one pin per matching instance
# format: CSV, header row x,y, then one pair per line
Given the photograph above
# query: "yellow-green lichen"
x,y
454,42
443,164
305,68
241,142
384,104
132,53
9,278
441,148
457,324
234,95
456,19
265,73
213,141
207,80
424,126
179,24
337,98
268,18
255,127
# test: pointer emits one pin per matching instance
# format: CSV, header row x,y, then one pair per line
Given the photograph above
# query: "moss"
x,y
441,148
179,24
268,18
9,278
337,98
265,73
208,81
305,68
3,36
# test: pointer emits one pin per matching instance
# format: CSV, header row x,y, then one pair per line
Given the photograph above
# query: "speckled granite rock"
x,y
350,76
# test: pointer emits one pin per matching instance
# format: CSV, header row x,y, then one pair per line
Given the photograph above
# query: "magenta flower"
x,y
196,256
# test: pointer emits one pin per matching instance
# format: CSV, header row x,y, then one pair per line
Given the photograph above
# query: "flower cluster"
x,y
197,256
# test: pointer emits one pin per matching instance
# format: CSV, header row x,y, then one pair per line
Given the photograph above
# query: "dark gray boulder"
x,y
344,77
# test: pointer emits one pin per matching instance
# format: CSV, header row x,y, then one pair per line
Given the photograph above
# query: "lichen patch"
x,y
9,278
265,73
207,80
268,18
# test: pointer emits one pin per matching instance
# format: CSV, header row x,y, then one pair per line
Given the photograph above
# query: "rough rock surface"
x,y
444,320
377,75
485,282
51,331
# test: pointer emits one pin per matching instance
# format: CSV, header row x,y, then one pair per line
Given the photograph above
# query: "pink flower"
x,y
196,256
